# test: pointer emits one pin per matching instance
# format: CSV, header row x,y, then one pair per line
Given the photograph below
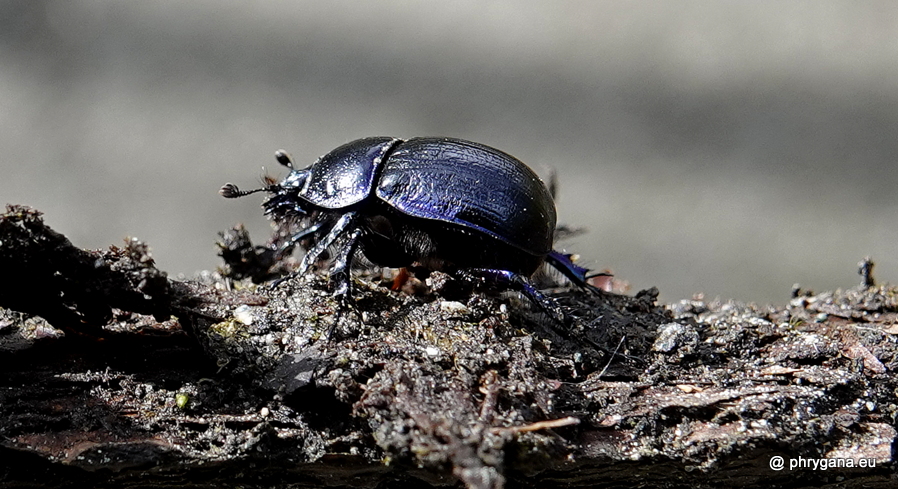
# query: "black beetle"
x,y
433,203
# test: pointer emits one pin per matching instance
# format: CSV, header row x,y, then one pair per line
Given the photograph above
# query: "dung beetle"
x,y
431,203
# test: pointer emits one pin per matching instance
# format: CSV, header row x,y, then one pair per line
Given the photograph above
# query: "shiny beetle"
x,y
433,203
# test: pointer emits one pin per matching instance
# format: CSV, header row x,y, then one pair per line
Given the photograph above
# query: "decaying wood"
x,y
115,375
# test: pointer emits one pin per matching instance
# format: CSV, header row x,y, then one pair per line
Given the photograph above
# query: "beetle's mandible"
x,y
430,203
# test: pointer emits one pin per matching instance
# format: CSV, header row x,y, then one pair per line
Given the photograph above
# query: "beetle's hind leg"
x,y
575,273
518,283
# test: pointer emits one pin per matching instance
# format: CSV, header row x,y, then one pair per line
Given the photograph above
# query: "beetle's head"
x,y
284,199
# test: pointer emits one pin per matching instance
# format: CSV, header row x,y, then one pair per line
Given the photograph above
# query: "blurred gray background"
x,y
730,148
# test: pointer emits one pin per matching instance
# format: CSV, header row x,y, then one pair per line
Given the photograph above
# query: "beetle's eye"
x,y
284,158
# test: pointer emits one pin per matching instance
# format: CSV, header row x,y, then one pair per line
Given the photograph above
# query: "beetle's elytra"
x,y
430,203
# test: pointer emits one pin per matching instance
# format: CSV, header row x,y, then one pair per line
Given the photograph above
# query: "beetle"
x,y
433,203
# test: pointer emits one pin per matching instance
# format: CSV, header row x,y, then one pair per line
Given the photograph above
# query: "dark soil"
x,y
114,375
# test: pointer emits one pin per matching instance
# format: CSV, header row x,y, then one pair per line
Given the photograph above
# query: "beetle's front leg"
x,y
296,238
312,255
342,225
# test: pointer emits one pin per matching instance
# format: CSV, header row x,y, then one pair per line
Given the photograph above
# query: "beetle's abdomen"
x,y
472,186
395,239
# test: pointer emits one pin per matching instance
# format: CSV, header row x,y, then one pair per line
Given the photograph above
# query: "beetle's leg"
x,y
340,275
519,283
296,238
340,269
574,273
340,227
312,255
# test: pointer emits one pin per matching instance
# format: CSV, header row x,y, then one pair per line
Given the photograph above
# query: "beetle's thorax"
x,y
347,175
296,180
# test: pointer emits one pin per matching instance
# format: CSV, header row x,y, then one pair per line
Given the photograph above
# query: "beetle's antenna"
x,y
230,191
284,158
